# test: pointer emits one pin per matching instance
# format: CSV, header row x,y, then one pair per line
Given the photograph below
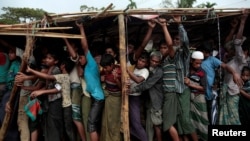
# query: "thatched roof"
x,y
104,25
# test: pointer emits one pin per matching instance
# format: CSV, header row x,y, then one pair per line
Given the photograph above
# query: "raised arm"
x,y
40,74
234,24
70,48
184,41
84,41
239,34
167,36
151,25
239,53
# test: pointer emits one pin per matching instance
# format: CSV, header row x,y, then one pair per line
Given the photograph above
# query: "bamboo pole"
x,y
151,11
24,28
43,34
29,45
124,108
104,11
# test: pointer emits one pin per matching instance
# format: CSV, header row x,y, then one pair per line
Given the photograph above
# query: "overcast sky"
x,y
70,6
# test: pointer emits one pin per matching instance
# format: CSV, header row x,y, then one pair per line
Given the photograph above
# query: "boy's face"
x,y
196,63
82,60
50,60
108,69
245,76
141,63
12,55
164,49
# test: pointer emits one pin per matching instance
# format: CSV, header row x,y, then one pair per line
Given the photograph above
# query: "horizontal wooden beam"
x,y
42,34
33,29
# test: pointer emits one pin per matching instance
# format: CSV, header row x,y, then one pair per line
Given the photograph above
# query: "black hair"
x,y
132,42
107,60
80,52
246,45
162,41
245,68
206,46
54,54
145,55
69,64
114,48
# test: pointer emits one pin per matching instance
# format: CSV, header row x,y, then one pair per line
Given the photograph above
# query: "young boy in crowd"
x,y
52,104
139,75
63,85
244,102
93,86
111,119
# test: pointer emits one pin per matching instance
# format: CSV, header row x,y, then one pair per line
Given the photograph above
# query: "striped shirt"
x,y
169,75
182,60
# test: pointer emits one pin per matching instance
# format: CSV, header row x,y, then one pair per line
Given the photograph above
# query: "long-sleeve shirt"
x,y
182,60
237,64
154,85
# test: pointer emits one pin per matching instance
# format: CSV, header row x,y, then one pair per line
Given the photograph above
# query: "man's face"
x,y
176,40
154,61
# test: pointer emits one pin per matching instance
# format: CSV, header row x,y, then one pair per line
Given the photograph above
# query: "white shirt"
x,y
139,72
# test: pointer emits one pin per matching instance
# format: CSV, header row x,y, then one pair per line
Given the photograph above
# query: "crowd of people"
x,y
76,94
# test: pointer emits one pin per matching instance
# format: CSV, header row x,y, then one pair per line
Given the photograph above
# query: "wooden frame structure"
x,y
31,31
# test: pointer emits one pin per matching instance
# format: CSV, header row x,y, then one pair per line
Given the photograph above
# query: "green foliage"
x,y
179,4
85,8
132,5
185,3
206,5
20,15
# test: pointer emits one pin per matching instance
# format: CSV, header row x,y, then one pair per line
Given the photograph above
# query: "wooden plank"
x,y
43,34
29,45
25,28
123,63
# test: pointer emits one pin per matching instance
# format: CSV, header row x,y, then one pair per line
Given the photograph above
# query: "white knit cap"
x,y
197,55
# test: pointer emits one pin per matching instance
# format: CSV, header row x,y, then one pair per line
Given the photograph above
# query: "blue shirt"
x,y
4,66
14,68
209,65
92,78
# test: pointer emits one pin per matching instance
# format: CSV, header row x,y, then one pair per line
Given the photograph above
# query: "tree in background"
x,y
206,5
20,15
185,3
178,4
132,5
85,8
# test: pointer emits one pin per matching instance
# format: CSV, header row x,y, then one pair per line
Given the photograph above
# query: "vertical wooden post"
x,y
13,96
123,62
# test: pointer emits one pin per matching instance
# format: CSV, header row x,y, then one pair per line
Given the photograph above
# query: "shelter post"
x,y
125,101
